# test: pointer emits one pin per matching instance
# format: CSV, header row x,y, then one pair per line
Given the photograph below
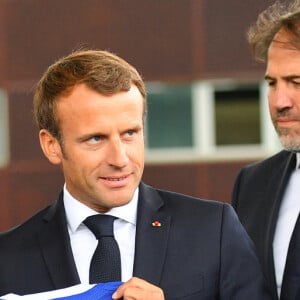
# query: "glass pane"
x,y
169,119
237,116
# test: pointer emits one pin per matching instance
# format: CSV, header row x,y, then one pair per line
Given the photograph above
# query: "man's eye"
x,y
130,133
271,83
94,139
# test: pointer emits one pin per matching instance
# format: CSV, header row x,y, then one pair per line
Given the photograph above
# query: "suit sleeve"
x,y
241,276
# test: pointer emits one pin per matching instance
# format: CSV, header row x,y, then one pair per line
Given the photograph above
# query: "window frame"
x,y
204,131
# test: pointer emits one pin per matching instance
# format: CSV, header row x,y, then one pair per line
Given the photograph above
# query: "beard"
x,y
289,140
289,137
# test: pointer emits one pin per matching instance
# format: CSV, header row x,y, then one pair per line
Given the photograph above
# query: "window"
x,y
208,120
169,117
237,116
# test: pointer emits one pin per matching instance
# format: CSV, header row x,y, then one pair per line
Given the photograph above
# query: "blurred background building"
x,y
207,103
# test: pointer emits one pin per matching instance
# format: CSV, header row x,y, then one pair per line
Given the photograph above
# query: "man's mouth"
x,y
114,178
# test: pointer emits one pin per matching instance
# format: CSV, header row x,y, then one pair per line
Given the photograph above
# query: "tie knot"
x,y
100,225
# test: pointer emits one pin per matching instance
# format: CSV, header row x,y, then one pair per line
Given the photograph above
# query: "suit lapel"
x,y
55,245
151,239
275,190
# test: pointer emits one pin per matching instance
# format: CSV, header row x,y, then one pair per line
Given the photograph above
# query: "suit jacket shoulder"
x,y
271,163
257,194
256,197
261,178
29,228
36,256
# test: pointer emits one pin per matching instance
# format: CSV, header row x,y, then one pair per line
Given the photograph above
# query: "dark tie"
x,y
291,276
106,262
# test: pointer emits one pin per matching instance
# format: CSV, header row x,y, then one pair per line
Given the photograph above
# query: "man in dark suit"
x,y
266,194
90,109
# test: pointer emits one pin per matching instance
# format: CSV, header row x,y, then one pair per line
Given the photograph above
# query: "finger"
x,y
136,289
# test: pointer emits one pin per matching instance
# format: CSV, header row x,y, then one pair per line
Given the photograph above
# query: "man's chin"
x,y
290,144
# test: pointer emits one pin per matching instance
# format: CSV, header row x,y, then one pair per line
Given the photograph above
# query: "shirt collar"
x,y
297,160
77,212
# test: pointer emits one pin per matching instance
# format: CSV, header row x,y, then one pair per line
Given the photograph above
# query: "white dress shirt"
x,y
288,214
84,243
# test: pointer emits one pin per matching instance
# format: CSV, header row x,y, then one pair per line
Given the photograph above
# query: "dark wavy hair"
x,y
101,71
281,15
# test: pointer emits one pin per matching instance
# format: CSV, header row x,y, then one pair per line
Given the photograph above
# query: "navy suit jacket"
x,y
257,196
200,251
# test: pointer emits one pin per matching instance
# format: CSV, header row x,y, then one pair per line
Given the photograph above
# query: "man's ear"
x,y
50,147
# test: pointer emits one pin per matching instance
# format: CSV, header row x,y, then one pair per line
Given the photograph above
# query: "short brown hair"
x,y
101,71
280,15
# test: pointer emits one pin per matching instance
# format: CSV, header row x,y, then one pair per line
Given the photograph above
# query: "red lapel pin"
x,y
156,224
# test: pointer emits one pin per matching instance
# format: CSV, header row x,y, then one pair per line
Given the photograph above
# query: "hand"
x,y
138,289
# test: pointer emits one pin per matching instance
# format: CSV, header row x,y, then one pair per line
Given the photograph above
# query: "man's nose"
x,y
281,98
117,153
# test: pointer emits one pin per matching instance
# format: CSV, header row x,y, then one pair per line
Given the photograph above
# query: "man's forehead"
x,y
287,39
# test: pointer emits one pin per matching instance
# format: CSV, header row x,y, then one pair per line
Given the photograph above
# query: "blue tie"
x,y
106,262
